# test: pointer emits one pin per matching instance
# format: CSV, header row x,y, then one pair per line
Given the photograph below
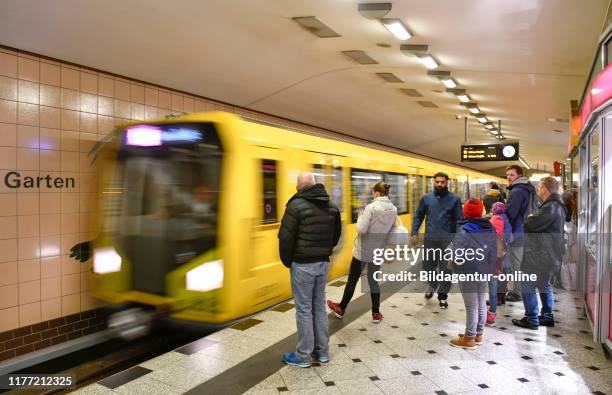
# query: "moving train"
x,y
190,208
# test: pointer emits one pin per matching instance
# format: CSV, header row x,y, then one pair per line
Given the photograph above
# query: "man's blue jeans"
x,y
308,282
530,298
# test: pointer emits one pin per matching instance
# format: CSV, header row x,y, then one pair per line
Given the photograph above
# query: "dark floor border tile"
x,y
124,377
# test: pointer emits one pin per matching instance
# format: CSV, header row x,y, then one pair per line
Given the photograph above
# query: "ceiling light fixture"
x,y
482,118
472,107
315,26
524,163
397,28
360,57
449,82
374,10
460,93
444,77
429,61
489,126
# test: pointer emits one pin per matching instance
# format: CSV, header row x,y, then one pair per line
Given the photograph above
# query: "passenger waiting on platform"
x,y
473,233
517,209
493,195
310,229
443,210
373,225
544,249
497,289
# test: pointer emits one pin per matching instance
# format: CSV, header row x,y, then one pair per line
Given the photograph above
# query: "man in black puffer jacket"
x,y
309,231
544,249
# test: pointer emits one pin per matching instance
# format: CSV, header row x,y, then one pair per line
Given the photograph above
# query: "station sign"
x,y
489,152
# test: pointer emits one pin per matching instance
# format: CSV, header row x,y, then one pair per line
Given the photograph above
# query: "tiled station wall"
x,y
51,114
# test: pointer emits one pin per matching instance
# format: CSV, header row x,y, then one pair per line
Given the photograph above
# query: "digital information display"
x,y
489,152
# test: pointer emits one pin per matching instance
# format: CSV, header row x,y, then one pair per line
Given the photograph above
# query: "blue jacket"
x,y
516,207
442,211
474,234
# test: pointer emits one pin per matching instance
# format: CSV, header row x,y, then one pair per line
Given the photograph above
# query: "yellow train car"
x,y
191,207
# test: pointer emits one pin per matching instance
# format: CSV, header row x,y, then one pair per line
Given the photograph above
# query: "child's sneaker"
x,y
477,339
290,358
376,317
463,342
335,307
490,318
321,358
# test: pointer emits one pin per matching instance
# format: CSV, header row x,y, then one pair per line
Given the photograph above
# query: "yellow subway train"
x,y
190,209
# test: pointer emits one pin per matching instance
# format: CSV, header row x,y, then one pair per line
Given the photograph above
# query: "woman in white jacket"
x,y
373,225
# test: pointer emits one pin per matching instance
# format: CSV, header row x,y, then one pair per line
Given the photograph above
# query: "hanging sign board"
x,y
489,152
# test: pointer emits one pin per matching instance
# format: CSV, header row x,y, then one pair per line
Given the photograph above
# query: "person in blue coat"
x,y
442,209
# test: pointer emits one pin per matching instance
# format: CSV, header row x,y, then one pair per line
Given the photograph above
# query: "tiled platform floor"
x,y
407,353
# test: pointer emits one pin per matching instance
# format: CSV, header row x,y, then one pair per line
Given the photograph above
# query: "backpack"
x,y
533,204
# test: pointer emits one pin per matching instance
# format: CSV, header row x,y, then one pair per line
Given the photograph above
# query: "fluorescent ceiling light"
x,y
449,82
524,163
397,28
489,126
474,110
463,97
482,119
494,132
428,61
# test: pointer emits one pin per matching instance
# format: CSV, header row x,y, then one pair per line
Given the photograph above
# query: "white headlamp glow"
x,y
106,260
206,277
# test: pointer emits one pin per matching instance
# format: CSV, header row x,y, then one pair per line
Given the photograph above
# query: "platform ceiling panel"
x,y
521,60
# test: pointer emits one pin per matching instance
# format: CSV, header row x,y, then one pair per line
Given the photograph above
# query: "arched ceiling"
x,y
521,60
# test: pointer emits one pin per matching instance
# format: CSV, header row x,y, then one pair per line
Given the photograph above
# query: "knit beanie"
x,y
498,208
473,208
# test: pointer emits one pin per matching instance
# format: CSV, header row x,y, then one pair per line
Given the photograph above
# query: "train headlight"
x,y
106,260
206,277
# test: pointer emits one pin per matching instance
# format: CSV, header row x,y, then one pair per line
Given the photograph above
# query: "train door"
x,y
265,267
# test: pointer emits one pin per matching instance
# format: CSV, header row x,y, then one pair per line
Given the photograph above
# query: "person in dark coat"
x,y
516,209
309,231
544,249
443,210
493,196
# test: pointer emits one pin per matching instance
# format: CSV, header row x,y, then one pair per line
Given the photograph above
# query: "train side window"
x,y
399,191
269,169
331,178
362,182
416,190
429,184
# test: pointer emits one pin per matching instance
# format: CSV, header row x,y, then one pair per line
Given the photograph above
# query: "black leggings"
x,y
354,274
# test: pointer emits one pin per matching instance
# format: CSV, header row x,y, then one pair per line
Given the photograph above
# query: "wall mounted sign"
x,y
489,152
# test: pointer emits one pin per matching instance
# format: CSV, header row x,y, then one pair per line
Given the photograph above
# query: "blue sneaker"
x,y
290,358
321,358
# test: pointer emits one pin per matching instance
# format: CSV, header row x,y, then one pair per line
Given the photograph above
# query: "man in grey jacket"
x,y
443,210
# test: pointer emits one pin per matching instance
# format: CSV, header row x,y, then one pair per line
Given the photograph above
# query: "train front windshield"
x,y
162,207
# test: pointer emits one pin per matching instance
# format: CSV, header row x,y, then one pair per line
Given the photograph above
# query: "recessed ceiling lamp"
x,y
411,92
472,107
360,57
389,77
460,93
489,126
444,77
420,51
374,10
397,28
315,26
482,118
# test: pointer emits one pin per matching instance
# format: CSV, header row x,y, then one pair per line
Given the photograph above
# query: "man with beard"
x,y
443,210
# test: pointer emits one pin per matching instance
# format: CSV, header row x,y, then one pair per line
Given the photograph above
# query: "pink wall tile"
x,y
28,248
71,284
70,265
8,273
50,223
70,78
49,204
71,304
29,270
27,69
70,202
8,227
8,135
50,74
137,93
50,96
88,122
8,111
89,103
177,102
28,92
27,159
29,292
49,160
27,225
28,204
51,288
8,65
9,296
50,138
69,120
8,250
9,318
51,267
70,99
8,88
69,140
51,309
27,136
122,90
28,114
89,83
8,204
50,117
106,86
50,246
29,314
8,158
70,160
